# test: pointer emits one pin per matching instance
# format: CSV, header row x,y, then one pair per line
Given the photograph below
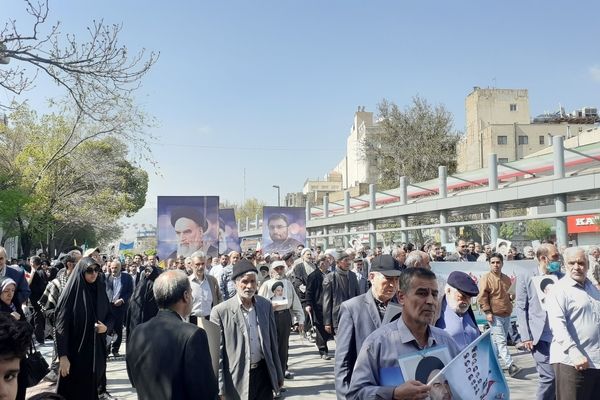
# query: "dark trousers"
x,y
283,322
572,384
321,338
54,363
194,319
260,387
38,320
119,317
546,386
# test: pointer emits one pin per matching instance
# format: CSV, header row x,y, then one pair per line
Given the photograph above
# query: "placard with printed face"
x,y
284,229
187,224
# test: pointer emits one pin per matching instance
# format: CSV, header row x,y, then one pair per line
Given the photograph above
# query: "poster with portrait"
x,y
424,364
284,228
187,224
473,374
277,293
418,365
543,286
228,232
502,246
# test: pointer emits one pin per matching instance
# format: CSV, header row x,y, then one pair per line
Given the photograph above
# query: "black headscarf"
x,y
87,302
142,305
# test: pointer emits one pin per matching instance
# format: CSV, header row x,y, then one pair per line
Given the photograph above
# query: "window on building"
x,y
502,139
513,107
541,139
502,160
523,139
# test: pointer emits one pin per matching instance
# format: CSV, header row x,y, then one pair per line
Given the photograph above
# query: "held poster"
x,y
284,229
187,224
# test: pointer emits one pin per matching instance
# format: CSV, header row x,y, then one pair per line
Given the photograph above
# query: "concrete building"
x,y
315,190
499,121
355,168
295,199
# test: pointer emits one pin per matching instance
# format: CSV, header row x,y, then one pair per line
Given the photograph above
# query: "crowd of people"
x,y
378,306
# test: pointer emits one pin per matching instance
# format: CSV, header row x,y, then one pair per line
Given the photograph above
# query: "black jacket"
x,y
334,296
168,358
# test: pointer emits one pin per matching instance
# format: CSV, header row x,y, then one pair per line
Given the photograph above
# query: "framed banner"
x,y
187,224
228,232
284,229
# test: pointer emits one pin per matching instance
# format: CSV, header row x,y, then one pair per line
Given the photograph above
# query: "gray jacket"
x,y
531,317
359,317
234,360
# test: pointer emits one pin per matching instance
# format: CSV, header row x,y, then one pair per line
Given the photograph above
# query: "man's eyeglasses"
x,y
271,227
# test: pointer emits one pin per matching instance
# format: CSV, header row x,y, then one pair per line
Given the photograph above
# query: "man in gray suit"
x,y
362,315
338,286
533,319
249,366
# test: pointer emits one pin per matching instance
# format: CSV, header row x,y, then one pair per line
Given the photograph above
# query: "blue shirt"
x,y
377,372
574,317
462,328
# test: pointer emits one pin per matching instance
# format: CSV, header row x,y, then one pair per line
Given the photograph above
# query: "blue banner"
x,y
125,246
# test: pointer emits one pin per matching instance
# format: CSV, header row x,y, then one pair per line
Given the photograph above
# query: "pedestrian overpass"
x,y
567,179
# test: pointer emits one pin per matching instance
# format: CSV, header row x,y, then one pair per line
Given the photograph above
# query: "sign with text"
x,y
588,223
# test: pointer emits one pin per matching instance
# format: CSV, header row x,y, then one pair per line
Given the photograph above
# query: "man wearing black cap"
x,y
190,225
456,315
338,286
362,315
249,365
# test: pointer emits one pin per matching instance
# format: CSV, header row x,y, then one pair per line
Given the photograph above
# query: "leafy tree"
x,y
507,230
98,75
412,142
250,209
76,196
538,230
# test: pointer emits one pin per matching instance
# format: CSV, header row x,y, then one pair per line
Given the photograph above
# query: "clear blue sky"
x,y
271,86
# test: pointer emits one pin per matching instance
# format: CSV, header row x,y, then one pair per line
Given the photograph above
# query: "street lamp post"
x,y
278,196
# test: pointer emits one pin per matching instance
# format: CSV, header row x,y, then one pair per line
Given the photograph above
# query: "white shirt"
x,y
202,294
253,332
574,317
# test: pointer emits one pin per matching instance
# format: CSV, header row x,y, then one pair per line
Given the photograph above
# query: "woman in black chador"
x,y
82,316
142,305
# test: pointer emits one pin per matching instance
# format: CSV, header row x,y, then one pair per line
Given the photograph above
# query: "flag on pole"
x,y
474,373
125,246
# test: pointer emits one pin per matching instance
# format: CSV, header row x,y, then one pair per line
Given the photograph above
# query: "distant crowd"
x,y
377,304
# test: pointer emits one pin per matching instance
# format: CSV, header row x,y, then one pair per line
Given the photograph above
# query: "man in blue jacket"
x,y
17,275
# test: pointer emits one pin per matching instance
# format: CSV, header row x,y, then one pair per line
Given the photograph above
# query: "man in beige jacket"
x,y
495,302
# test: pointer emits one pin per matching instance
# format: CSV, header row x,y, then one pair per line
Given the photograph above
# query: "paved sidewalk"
x,y
313,376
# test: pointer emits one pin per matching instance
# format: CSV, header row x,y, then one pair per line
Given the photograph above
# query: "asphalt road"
x,y
313,376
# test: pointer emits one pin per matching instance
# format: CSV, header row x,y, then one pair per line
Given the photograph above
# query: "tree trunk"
x,y
25,238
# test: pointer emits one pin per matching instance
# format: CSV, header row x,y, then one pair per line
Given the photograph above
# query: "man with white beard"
x,y
456,315
190,225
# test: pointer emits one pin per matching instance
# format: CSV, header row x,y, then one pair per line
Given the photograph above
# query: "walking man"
x,y
119,288
338,286
495,301
166,357
362,315
249,365
534,329
574,317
